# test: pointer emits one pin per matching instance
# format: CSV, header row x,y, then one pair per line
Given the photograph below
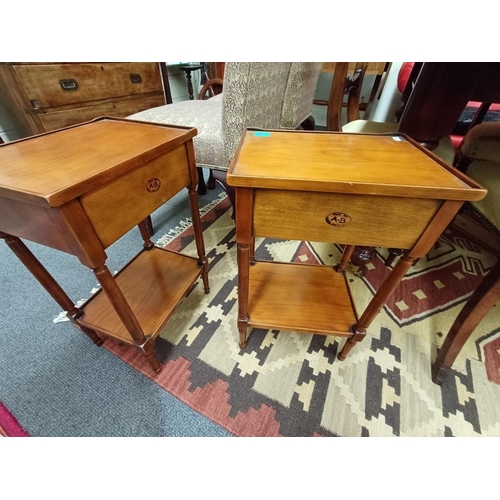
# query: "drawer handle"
x,y
68,84
135,78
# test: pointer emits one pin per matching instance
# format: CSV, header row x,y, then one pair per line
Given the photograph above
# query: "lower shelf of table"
x,y
300,297
153,283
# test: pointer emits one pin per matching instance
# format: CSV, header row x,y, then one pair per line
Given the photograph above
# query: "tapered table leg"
x,y
245,249
35,267
121,306
198,236
344,260
377,302
243,287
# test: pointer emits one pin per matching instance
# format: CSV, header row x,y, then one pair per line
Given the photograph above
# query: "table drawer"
x,y
342,218
120,108
117,206
52,85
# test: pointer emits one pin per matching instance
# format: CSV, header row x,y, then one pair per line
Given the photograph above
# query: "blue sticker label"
x,y
262,134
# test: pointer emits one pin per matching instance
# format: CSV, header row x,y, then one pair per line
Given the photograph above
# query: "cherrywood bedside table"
x,y
352,189
81,188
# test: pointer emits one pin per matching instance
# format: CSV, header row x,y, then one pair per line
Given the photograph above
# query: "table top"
x,y
192,67
54,168
377,164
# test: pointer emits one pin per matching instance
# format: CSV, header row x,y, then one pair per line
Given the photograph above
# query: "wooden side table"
x,y
81,188
353,189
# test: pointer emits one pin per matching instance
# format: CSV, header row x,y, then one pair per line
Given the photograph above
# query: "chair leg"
x,y
211,180
477,306
220,177
149,226
202,187
394,253
309,123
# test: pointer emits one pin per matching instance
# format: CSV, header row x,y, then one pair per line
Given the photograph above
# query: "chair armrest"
x,y
212,86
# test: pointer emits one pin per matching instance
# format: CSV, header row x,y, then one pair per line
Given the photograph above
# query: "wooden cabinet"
x,y
43,97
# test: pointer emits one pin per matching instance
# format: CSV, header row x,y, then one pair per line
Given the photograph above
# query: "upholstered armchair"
x,y
269,95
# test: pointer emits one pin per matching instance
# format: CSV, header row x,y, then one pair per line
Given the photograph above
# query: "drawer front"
x,y
120,108
342,218
52,85
114,208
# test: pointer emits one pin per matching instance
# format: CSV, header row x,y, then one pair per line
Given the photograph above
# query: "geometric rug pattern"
x,y
291,384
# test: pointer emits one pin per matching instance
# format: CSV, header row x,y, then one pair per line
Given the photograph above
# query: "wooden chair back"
x,y
215,79
342,85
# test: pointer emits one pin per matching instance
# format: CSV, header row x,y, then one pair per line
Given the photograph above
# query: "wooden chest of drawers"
x,y
47,96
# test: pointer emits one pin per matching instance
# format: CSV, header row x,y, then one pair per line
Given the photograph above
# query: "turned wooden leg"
x,y
245,246
242,329
34,266
91,334
146,234
148,222
190,85
198,236
360,257
119,302
377,302
148,350
384,292
243,288
441,220
350,343
121,306
344,260
486,295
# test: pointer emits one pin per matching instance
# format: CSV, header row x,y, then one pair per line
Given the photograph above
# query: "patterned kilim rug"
x,y
291,384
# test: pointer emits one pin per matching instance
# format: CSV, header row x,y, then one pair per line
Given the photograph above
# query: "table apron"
x,y
342,218
123,202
